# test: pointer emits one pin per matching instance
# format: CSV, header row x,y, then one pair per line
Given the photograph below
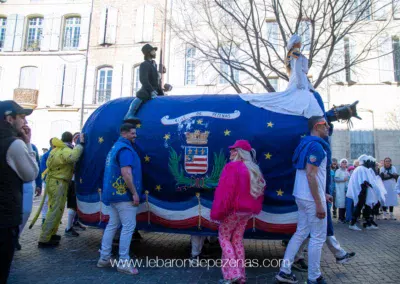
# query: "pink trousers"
x,y
231,231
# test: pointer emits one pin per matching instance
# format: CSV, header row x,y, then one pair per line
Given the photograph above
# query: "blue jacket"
x,y
300,154
43,161
38,179
114,187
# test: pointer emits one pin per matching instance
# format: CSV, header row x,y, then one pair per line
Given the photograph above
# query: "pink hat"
x,y
242,144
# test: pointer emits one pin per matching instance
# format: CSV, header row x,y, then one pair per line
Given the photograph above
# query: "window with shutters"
x,y
3,25
396,58
273,34
28,78
72,31
136,80
104,84
190,66
108,26
34,34
305,33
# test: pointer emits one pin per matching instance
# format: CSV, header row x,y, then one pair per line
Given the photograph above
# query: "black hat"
x,y
12,108
147,48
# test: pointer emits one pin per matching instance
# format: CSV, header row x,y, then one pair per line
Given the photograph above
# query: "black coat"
x,y
148,76
10,183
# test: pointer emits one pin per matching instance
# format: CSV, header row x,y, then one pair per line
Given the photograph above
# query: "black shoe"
x,y
137,236
300,265
71,233
18,245
48,244
320,280
286,278
348,257
55,237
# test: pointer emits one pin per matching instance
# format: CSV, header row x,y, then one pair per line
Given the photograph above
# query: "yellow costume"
x,y
60,167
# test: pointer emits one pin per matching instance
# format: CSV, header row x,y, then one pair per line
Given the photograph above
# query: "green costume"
x,y
60,167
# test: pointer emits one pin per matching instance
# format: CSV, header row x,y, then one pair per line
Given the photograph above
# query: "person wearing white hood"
x,y
298,98
341,180
366,191
389,176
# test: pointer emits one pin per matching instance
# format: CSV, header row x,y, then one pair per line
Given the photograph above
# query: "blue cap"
x,y
12,108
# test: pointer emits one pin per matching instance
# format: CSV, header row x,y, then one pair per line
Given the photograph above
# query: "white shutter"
x,y
116,81
381,8
19,30
148,23
385,49
90,83
112,21
28,78
139,24
69,85
84,31
102,26
337,62
46,35
55,33
10,32
60,79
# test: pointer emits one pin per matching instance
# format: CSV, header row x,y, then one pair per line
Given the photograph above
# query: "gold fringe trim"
x,y
147,206
198,198
101,204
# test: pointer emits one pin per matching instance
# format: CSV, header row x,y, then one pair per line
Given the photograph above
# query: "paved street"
x,y
74,260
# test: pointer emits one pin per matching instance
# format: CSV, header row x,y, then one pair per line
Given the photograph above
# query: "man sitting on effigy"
x,y
150,79
366,192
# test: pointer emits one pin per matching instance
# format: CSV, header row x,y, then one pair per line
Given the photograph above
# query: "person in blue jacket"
x,y
122,187
43,167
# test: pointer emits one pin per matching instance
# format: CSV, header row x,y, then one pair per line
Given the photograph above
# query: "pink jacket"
x,y
233,193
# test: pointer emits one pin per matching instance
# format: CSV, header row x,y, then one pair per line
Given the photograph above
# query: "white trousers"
x,y
308,224
197,244
27,202
120,213
331,242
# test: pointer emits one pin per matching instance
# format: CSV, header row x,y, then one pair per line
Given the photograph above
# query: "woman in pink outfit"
x,y
239,196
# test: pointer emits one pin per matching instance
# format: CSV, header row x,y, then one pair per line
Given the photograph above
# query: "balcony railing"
x,y
27,98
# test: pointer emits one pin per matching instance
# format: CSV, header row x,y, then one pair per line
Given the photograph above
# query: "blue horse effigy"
x,y
183,144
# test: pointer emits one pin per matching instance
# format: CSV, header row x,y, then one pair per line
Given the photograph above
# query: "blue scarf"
x,y
300,154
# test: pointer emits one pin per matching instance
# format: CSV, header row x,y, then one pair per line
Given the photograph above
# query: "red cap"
x,y
242,144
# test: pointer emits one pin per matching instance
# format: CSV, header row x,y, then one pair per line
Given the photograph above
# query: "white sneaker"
x,y
104,262
392,217
354,227
127,269
385,215
374,227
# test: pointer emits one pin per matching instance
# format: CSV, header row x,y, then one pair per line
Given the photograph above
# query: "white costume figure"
x,y
365,190
390,186
297,98
341,180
